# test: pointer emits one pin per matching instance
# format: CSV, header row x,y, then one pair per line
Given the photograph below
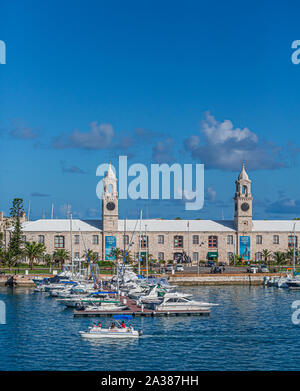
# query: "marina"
x,y
245,332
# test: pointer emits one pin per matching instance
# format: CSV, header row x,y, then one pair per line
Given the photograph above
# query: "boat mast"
x,y
147,248
294,252
139,263
71,244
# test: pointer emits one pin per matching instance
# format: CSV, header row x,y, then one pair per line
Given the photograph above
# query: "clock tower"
x,y
109,203
243,203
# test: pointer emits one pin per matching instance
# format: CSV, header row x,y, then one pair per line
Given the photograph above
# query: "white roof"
x,y
276,225
157,225
177,225
61,225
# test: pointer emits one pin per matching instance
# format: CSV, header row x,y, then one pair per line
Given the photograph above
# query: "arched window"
x,y
258,256
229,256
245,190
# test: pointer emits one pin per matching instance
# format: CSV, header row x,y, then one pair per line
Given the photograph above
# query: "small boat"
x,y
115,331
293,283
181,302
105,307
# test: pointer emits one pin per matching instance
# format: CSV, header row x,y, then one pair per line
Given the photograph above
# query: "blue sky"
x,y
160,81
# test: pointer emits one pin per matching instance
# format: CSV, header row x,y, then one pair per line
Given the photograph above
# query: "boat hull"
x,y
107,333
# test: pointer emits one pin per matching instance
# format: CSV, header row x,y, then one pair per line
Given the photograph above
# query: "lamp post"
x,y
198,266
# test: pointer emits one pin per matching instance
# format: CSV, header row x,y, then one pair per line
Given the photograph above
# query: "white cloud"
x,y
221,145
99,137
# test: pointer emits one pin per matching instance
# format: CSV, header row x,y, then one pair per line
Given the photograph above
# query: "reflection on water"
x,y
250,329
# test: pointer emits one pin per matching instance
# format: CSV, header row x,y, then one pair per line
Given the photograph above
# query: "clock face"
x,y
245,206
110,206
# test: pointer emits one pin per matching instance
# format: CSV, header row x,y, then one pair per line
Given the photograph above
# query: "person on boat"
x,y
112,326
99,325
94,325
123,325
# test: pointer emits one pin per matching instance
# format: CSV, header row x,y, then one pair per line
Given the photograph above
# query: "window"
x,y
229,239
160,239
161,256
95,239
275,239
258,239
195,257
178,241
76,255
126,240
212,241
229,256
258,256
144,241
195,239
76,239
291,241
41,239
59,241
97,256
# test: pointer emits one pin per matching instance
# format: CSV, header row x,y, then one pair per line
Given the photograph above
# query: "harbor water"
x,y
251,329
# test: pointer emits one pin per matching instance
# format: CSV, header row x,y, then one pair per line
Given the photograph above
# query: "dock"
x,y
136,311
140,313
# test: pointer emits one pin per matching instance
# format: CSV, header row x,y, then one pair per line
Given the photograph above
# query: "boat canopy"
x,y
105,293
121,317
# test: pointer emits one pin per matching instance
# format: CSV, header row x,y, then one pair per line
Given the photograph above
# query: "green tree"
x,y
235,259
16,243
93,256
128,256
178,218
60,256
34,251
116,253
266,255
48,260
290,255
8,258
279,257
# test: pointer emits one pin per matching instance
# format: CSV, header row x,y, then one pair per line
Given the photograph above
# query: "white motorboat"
x,y
105,307
179,302
77,301
293,283
115,331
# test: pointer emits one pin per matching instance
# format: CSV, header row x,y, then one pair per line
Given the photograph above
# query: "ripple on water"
x,y
251,329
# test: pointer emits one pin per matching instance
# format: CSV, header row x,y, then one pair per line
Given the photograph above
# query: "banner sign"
x,y
110,242
245,248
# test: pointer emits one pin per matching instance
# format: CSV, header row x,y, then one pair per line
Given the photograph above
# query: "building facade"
x,y
167,239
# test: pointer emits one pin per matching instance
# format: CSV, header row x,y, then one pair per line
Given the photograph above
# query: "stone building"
x,y
168,239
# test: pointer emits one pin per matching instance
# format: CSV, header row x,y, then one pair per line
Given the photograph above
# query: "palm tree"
x,y
93,256
60,256
116,253
49,260
8,258
266,255
128,256
34,251
279,257
234,259
290,255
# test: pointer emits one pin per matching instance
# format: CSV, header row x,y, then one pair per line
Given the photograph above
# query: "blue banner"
x,y
110,242
245,248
